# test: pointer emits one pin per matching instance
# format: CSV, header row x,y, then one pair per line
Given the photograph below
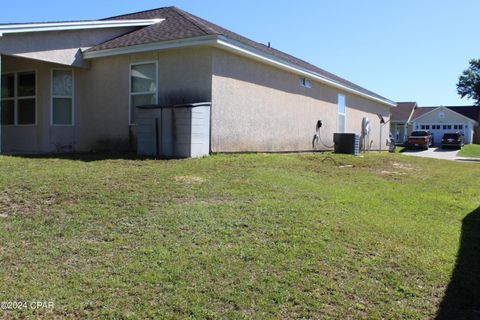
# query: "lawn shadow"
x,y
462,298
84,157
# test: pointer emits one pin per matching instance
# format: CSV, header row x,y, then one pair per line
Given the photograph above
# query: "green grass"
x,y
237,237
470,150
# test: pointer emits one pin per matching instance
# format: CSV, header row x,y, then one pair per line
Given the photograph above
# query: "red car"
x,y
421,139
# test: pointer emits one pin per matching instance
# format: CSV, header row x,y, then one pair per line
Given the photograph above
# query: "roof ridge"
x,y
201,26
138,12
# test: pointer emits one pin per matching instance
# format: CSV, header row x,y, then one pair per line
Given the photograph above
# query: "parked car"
x,y
453,140
420,138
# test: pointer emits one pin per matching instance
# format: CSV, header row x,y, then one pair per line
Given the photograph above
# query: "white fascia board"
x,y
80,25
235,47
190,42
255,54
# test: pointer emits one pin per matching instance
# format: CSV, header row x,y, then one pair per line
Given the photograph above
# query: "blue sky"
x,y
406,50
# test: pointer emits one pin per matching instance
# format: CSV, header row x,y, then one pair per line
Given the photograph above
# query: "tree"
x,y
469,82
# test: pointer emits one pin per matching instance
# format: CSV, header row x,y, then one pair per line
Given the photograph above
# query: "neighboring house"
x,y
75,86
401,120
439,120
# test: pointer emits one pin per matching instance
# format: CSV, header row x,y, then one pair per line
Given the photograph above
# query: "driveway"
x,y
436,153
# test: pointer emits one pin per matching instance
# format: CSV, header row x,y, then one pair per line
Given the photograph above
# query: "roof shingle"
x,y
403,111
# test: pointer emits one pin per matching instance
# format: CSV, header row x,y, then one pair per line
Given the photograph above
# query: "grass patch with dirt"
x,y
238,236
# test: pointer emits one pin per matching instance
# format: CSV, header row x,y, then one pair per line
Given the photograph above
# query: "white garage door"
x,y
439,129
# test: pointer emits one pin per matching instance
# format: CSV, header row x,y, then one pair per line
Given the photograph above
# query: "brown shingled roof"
x,y
179,24
403,111
421,111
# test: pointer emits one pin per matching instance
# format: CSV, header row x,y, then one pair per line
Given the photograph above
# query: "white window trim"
x,y
344,114
15,98
65,97
131,94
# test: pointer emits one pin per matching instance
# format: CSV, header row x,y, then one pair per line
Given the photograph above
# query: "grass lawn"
x,y
238,236
470,150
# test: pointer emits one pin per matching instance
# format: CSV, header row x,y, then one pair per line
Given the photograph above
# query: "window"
x,y
143,86
19,98
304,82
455,127
460,127
62,97
441,115
341,114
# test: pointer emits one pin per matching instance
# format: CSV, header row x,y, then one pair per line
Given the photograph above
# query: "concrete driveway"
x,y
436,153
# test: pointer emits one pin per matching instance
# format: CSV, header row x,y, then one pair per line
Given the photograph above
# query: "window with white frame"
x,y
62,97
143,86
341,114
19,99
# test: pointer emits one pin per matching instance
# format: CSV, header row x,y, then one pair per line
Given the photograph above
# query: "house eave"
x,y
237,48
78,25
163,45
242,49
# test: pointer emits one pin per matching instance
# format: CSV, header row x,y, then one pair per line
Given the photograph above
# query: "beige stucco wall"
x,y
101,105
184,75
41,137
256,107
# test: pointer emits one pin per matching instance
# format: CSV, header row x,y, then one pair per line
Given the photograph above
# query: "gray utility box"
x,y
347,143
179,131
